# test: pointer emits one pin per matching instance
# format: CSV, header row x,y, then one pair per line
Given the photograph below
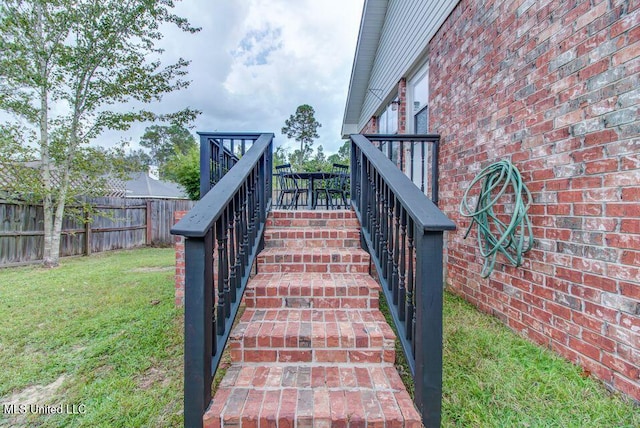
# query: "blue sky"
x,y
255,61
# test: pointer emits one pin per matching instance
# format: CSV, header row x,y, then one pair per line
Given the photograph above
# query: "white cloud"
x,y
255,61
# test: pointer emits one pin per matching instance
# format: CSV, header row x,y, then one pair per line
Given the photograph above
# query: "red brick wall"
x,y
555,87
371,127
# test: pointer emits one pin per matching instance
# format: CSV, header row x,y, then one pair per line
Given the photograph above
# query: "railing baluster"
x,y
383,230
402,300
435,153
246,219
221,306
233,284
412,158
252,207
238,238
410,283
422,169
373,203
390,243
394,213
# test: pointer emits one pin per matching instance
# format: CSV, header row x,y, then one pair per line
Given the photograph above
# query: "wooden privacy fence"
x,y
110,224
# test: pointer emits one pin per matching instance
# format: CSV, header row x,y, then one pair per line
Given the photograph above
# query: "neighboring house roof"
x,y
12,172
142,186
393,38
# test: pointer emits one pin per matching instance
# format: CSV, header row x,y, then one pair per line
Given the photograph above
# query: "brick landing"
x,y
312,348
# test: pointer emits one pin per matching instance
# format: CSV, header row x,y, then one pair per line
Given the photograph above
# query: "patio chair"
x,y
334,186
288,186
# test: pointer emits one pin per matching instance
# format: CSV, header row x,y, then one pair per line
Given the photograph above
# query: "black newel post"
x,y
428,335
198,328
205,165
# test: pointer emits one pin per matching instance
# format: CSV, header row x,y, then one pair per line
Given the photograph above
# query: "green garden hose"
x,y
501,185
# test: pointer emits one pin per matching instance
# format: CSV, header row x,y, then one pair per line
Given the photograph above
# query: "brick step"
x,y
312,290
338,219
317,260
311,335
312,237
312,395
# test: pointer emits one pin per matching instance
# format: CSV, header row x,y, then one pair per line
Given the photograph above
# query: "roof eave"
x,y
371,23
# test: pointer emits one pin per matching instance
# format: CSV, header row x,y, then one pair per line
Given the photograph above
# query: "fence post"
x,y
87,233
428,337
149,223
198,328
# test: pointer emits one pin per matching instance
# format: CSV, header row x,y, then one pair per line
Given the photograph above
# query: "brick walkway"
x,y
312,348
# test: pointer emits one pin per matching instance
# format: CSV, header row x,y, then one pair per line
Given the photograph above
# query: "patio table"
x,y
311,177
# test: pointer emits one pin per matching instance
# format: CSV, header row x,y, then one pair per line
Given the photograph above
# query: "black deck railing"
x,y
414,154
219,152
223,234
403,231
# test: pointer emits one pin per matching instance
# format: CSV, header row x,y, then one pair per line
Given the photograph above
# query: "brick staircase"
x,y
312,348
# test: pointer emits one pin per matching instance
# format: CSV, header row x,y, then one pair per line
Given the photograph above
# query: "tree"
x,y
137,160
318,162
280,156
165,142
343,156
184,169
63,64
303,127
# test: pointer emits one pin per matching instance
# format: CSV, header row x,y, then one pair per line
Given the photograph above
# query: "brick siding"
x,y
371,127
553,86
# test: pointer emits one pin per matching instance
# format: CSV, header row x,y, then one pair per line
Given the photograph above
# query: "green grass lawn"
x,y
103,332
105,328
494,378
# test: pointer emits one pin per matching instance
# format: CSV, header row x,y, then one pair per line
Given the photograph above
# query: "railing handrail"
x,y
403,231
201,217
234,135
424,212
401,137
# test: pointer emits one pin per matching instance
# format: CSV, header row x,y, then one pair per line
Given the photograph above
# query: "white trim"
x,y
348,129
423,72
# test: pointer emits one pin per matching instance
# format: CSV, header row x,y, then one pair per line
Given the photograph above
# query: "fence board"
x,y
115,223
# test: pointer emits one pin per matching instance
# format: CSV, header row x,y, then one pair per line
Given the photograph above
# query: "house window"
x,y
418,118
388,124
388,120
419,93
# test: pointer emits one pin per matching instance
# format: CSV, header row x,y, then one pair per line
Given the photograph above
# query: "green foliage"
x,y
302,127
63,64
184,169
138,160
318,162
165,142
343,156
280,156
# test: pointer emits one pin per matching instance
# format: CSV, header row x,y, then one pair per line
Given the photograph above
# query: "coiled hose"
x,y
495,236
